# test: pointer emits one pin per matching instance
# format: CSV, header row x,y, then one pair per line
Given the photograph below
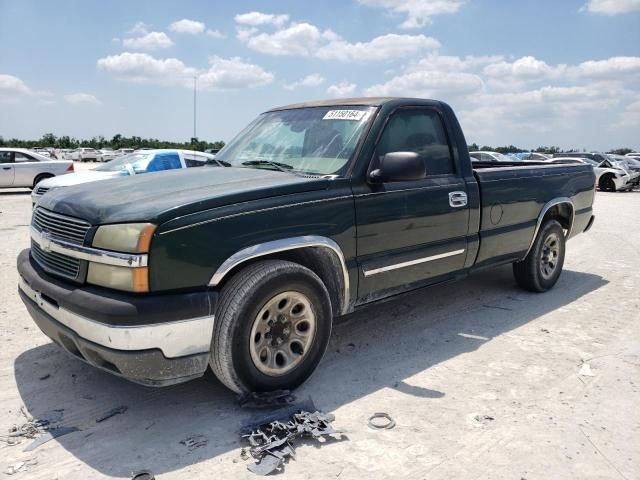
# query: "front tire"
x,y
542,266
39,178
272,327
607,184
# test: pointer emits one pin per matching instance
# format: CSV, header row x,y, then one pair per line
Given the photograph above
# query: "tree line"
x,y
49,140
474,147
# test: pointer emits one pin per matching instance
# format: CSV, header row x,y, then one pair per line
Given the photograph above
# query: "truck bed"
x,y
512,196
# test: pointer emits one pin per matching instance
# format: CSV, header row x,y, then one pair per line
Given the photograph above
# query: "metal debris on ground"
x,y
585,371
483,418
271,440
387,422
277,398
195,441
20,466
49,435
143,475
112,413
30,429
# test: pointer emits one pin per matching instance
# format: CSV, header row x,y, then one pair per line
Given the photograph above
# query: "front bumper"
x,y
152,340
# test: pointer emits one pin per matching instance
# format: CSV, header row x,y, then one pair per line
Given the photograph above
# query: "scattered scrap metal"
x,y
195,441
112,413
271,438
277,398
41,429
143,475
387,422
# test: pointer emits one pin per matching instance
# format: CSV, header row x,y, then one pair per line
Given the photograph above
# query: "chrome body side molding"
x,y
547,206
284,245
395,266
50,244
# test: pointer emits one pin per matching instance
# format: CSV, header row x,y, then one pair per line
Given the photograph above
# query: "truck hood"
x,y
166,195
78,178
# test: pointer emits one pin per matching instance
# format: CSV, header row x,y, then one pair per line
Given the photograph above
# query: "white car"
x,y
85,154
124,151
20,167
136,163
106,155
490,157
608,179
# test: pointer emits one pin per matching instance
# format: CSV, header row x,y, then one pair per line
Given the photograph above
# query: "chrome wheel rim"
x,y
282,333
550,256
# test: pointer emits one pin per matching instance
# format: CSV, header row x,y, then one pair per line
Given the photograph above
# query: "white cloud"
x,y
343,89
233,73
150,41
13,88
611,7
82,99
222,74
418,12
10,85
140,28
614,67
525,68
427,84
312,80
257,18
307,40
215,34
185,25
143,68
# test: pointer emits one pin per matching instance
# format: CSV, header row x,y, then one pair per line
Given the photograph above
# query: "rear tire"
x,y
39,178
542,266
272,327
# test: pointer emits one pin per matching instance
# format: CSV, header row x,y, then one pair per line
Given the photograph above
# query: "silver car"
x,y
20,167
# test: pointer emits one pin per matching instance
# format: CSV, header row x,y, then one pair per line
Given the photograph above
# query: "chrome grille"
x,y
56,263
60,226
41,190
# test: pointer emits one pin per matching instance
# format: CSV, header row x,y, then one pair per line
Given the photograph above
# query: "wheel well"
x,y
321,261
42,176
563,213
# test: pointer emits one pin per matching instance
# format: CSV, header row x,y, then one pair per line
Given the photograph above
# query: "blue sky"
x,y
521,72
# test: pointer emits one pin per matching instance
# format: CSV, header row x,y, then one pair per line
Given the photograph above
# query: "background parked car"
x,y
606,161
135,163
608,179
490,157
85,155
124,151
106,155
20,167
530,156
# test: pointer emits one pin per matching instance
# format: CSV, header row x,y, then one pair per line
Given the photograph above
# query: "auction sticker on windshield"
x,y
345,115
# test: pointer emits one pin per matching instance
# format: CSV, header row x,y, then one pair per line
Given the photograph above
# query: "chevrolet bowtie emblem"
x,y
45,241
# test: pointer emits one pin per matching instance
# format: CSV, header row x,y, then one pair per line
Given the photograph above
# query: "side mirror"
x,y
399,167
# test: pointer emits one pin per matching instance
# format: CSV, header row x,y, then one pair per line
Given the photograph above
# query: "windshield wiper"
x,y
220,163
283,167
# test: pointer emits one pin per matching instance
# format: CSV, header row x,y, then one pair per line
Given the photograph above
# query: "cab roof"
x,y
358,101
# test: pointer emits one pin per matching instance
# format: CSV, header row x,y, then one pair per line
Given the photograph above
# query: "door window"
x,y
420,131
23,157
6,157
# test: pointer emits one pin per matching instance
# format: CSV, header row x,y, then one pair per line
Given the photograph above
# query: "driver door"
x,y
411,233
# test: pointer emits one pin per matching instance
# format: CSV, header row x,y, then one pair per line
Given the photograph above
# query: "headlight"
x,y
121,278
127,237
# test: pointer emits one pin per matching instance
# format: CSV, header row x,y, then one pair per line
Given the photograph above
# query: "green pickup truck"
x,y
313,211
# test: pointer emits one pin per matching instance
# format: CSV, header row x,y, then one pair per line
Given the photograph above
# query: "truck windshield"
x,y
313,140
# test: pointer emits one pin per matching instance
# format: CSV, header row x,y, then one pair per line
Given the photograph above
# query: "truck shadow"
x,y
370,350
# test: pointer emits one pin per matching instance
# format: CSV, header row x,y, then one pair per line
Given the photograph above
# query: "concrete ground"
x,y
483,380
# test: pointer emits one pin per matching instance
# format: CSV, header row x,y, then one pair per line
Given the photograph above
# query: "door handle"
x,y
6,168
457,199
